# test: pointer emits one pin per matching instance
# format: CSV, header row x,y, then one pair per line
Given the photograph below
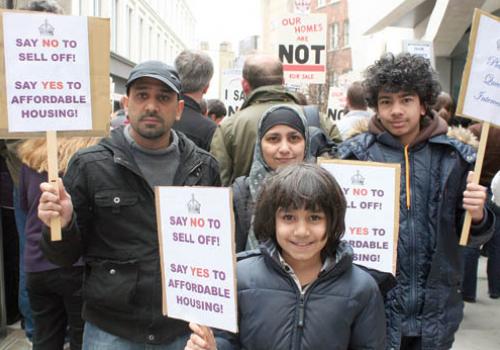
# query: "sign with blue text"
x,y
480,90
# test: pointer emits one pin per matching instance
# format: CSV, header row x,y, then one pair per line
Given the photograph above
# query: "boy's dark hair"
x,y
216,107
300,186
404,72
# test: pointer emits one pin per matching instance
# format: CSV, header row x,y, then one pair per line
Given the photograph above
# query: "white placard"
x,y
231,90
372,217
197,255
47,72
481,99
337,101
301,46
420,48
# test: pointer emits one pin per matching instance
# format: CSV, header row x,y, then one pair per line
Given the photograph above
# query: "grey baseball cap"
x,y
156,70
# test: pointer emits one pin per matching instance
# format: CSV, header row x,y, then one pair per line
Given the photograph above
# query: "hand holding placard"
x,y
480,88
197,255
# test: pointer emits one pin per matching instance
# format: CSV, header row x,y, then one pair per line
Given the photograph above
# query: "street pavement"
x,y
480,328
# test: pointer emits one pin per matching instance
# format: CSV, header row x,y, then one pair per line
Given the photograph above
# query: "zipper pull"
x,y
301,311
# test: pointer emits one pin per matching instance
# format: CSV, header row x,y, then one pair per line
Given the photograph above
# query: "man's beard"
x,y
151,133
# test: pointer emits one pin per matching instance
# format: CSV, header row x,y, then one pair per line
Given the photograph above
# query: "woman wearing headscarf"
x,y
282,139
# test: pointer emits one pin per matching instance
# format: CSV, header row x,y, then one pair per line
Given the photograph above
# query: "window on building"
x,y
114,24
332,78
321,3
128,31
81,8
334,36
97,8
346,33
141,40
150,43
158,47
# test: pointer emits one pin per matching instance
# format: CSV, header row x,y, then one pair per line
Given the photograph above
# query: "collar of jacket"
x,y
189,102
275,93
343,258
430,126
119,147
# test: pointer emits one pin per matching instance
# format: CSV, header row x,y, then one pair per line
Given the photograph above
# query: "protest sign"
x,y
301,46
479,96
420,48
54,71
54,74
336,102
195,229
231,90
372,216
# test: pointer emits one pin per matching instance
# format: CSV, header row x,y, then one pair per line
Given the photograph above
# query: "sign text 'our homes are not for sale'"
x,y
301,46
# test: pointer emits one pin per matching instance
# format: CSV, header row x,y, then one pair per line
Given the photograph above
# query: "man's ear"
x,y
205,89
245,85
124,104
180,108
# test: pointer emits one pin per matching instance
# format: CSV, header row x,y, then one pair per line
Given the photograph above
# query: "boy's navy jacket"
x,y
342,309
427,301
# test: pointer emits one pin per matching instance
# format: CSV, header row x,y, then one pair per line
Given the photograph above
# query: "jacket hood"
x,y
342,261
430,126
120,147
269,93
456,132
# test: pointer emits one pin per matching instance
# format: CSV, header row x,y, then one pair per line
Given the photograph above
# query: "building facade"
x,y
140,30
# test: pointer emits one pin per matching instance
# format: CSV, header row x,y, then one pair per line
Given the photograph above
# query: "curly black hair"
x,y
404,72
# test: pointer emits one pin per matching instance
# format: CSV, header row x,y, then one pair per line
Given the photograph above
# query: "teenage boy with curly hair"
x,y
425,308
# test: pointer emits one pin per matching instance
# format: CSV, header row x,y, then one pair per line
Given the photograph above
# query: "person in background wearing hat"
x,y
282,139
107,211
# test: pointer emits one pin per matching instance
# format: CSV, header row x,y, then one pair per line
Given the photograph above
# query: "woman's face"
x,y
282,145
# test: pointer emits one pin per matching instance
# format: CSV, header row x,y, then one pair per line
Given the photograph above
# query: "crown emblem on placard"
x,y
357,179
303,6
193,206
46,28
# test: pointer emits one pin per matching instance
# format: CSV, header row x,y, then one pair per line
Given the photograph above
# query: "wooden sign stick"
x,y
485,129
55,223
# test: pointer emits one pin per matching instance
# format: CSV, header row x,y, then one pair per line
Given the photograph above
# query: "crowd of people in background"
x,y
298,286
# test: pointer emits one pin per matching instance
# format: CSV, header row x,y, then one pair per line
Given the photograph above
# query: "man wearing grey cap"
x,y
108,214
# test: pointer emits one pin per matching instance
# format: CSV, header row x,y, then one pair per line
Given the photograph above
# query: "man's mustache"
x,y
151,115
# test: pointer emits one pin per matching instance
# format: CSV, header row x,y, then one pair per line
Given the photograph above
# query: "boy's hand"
x,y
474,199
54,202
202,338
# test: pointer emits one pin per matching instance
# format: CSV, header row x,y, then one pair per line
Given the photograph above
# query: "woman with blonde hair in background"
x,y
54,292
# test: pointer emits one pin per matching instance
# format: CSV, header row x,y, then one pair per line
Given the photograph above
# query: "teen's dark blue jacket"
x,y
427,301
342,309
